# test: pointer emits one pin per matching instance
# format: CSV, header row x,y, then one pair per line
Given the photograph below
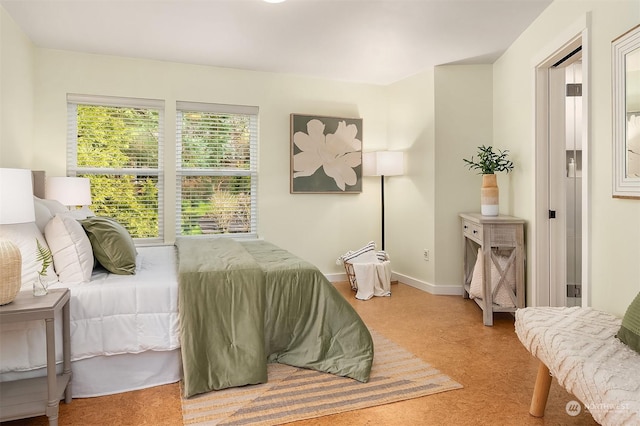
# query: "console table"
x,y
40,395
492,233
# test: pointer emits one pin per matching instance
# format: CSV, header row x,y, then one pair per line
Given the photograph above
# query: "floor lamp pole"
x,y
382,198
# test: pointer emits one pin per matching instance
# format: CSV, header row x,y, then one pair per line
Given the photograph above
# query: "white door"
x,y
561,177
565,182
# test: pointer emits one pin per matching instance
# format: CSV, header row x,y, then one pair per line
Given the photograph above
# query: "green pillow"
x,y
112,244
629,332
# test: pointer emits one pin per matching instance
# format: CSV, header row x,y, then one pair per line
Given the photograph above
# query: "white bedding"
x,y
112,314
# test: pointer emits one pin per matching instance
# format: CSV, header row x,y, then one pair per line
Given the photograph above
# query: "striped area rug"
x,y
295,394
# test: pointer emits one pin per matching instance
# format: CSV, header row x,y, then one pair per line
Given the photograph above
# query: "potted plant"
x,y
488,163
43,254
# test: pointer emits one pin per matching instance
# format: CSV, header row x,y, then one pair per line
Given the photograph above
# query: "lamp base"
x,y
10,271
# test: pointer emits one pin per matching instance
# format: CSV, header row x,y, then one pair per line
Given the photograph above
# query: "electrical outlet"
x,y
425,254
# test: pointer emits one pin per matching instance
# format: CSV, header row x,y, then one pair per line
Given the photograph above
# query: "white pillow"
x,y
54,206
24,236
80,214
43,214
71,249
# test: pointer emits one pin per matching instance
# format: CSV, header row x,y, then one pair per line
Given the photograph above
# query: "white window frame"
x,y
251,111
73,100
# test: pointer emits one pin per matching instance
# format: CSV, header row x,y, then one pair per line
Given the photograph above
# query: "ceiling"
x,y
369,41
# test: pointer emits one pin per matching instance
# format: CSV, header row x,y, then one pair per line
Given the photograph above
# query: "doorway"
x,y
562,178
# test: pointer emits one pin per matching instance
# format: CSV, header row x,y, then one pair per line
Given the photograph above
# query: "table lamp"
x,y
16,206
70,191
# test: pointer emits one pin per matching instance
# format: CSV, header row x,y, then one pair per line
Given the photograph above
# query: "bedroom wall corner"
x,y
409,199
16,95
614,227
464,121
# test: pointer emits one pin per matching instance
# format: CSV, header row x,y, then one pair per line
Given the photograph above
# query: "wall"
x,y
409,210
615,226
16,94
413,115
463,117
437,118
316,227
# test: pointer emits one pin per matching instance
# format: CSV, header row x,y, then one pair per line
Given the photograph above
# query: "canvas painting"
x,y
326,154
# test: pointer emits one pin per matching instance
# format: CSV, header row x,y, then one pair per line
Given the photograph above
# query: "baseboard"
x,y
335,278
445,290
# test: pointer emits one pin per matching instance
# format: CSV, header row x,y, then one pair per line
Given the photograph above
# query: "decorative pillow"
x,y
112,244
24,236
71,249
43,214
54,206
629,332
502,297
80,214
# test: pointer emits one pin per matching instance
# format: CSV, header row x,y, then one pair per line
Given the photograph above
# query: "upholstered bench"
x,y
579,347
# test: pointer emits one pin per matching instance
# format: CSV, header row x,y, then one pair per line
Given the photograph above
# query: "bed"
x,y
126,330
246,303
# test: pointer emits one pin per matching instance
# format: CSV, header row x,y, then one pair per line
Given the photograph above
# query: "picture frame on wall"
x,y
326,154
625,56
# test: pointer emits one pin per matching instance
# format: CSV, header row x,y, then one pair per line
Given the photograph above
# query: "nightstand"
x,y
40,395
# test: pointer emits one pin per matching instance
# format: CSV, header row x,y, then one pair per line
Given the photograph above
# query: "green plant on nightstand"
x,y
43,255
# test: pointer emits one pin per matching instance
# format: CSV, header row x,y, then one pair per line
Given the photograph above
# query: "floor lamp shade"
x,y
70,191
383,163
16,206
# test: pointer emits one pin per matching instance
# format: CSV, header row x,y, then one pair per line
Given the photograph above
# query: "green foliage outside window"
x,y
119,138
216,205
216,182
118,148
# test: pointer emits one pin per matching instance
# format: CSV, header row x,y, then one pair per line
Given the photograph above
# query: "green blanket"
x,y
244,304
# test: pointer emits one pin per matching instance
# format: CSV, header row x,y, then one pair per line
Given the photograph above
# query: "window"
x,y
216,173
117,144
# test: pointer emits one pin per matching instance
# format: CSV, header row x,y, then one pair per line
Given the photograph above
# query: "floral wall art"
x,y
326,154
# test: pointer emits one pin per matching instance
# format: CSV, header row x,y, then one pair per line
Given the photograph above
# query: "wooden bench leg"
x,y
540,391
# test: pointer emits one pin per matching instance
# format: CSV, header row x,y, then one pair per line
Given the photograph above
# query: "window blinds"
x,y
216,171
117,143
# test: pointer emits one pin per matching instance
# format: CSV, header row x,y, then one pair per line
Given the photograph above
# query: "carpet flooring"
x,y
295,394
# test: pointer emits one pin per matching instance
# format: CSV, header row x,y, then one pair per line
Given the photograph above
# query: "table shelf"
x,y
491,233
39,395
20,398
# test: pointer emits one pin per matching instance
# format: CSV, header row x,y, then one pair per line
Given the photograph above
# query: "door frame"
x,y
576,35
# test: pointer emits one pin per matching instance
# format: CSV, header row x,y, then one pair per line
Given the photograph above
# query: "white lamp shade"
x,y
16,196
383,163
70,191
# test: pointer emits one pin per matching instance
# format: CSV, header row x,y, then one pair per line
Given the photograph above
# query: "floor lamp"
x,y
382,163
